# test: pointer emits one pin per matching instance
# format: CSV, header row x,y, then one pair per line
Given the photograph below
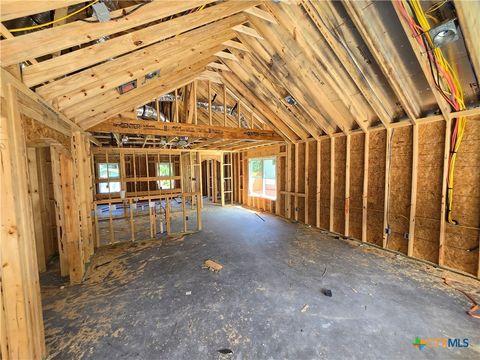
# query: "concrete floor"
x,y
134,302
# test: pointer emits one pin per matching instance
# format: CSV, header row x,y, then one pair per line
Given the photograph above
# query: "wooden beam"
x,y
422,60
21,313
467,12
261,14
140,96
386,202
347,186
443,208
47,41
96,53
13,9
318,188
242,29
346,61
332,182
75,90
366,152
145,127
413,195
389,69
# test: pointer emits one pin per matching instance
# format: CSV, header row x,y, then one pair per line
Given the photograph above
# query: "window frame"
x,y
263,195
159,181
108,180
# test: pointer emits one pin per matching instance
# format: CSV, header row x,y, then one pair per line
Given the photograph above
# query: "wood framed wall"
x,y
29,129
383,187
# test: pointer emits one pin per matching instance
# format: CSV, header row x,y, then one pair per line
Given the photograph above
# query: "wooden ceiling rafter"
x,y
346,61
91,82
123,44
248,72
340,83
410,107
299,80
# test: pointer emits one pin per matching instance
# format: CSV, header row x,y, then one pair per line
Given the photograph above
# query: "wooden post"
x,y
76,263
387,188
332,181
59,213
297,175
33,189
177,119
195,111
222,180
21,319
347,187
306,199
210,103
288,177
319,172
413,198
224,105
443,209
366,151
167,215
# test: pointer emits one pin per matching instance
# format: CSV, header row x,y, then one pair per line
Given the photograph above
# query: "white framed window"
x,y
109,171
262,180
164,169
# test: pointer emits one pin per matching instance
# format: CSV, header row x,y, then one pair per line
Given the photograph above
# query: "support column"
x,y
21,320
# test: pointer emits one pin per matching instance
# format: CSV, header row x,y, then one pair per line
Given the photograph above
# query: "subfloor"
x,y
153,300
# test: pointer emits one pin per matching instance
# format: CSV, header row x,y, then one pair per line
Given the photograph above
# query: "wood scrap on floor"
x,y
212,265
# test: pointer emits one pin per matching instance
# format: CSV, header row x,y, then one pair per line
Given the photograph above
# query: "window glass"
x,y
109,171
164,169
262,178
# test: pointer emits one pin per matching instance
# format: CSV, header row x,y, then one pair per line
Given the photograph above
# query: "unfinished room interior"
x,y
205,179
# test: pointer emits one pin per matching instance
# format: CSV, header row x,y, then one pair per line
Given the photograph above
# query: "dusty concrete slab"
x,y
152,300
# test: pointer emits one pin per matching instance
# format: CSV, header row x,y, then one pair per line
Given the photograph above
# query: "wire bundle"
x,y
444,76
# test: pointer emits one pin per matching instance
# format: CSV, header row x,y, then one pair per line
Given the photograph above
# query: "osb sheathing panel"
x,y
429,190
376,186
357,143
461,242
400,188
312,182
325,184
35,131
339,190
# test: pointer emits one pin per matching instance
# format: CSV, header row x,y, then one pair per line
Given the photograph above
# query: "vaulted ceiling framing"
x,y
347,66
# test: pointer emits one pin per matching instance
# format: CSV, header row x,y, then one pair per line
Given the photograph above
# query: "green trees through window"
x,y
262,178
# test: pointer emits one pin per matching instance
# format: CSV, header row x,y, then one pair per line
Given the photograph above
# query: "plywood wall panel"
x,y
462,241
400,188
356,184
339,193
429,190
325,184
312,182
376,186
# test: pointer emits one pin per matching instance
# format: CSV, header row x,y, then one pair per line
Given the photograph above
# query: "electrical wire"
x,y
53,21
445,78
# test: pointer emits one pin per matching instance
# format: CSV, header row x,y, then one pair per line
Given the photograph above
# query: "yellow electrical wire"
x,y
53,21
458,95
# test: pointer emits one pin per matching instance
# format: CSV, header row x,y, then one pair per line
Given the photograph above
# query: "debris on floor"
x,y
305,307
225,351
173,239
260,217
327,292
212,265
